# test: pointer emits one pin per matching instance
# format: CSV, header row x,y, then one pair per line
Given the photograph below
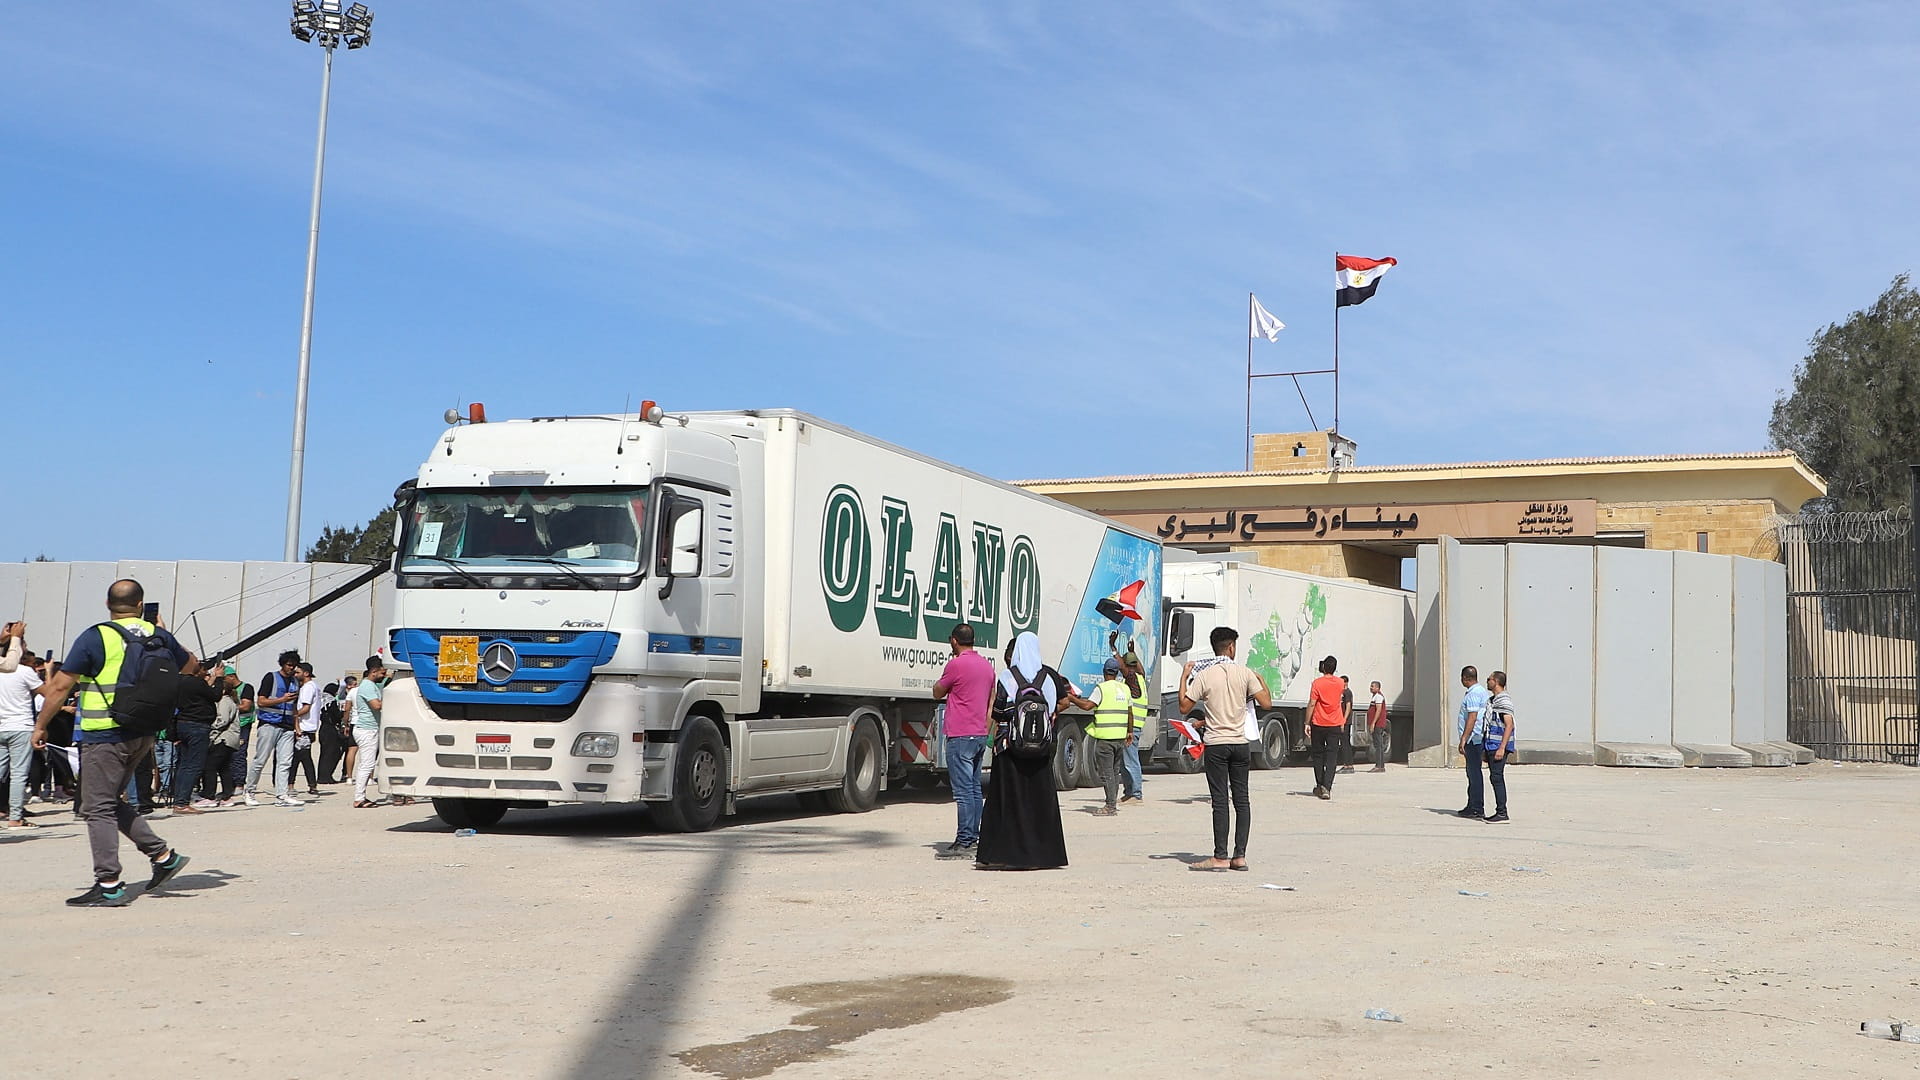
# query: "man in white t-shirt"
x,y
1379,730
16,738
306,727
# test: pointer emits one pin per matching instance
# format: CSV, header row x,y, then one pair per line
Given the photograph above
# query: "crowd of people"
x,y
1012,822
130,721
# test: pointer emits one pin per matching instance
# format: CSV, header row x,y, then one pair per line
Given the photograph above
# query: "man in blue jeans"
x,y
967,688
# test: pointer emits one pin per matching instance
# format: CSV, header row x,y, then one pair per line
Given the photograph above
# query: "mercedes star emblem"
x,y
499,663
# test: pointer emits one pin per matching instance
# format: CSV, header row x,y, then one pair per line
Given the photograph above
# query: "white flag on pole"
x,y
1261,323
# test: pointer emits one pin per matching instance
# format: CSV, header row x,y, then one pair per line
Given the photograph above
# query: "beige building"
x,y
1307,506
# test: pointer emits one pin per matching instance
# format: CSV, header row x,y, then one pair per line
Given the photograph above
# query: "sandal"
x,y
361,804
1203,868
1237,864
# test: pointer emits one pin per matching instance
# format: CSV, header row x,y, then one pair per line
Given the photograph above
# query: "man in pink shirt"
x,y
967,687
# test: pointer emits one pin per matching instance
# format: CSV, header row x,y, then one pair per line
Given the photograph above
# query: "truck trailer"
x,y
688,610
1287,621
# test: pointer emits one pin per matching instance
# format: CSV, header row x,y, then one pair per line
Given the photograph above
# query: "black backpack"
x,y
149,683
1031,727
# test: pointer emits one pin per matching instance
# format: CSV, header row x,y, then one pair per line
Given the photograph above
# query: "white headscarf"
x,y
1026,660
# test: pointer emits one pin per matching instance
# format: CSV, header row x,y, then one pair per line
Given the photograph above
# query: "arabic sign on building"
x,y
1351,523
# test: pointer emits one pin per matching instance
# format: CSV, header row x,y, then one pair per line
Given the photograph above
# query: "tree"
x,y
369,543
1854,412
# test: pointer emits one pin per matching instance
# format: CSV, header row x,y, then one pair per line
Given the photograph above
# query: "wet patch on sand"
x,y
839,1012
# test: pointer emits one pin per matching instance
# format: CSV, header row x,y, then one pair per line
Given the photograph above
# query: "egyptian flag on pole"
x,y
1355,278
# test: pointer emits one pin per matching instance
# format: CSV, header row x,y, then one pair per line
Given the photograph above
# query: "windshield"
x,y
597,528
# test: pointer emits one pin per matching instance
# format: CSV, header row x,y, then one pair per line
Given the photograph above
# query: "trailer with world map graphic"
x,y
1287,621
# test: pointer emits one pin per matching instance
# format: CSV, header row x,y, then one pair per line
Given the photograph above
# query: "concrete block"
x,y
1636,755
1713,756
1553,753
1437,756
1801,755
1768,755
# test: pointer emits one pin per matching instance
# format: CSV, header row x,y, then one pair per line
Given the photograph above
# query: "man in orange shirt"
x,y
1326,722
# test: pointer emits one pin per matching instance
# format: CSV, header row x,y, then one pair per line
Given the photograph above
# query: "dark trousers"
x,y
236,775
1323,745
1346,748
1227,767
1497,776
333,749
1108,763
1382,744
1476,794
191,759
219,778
302,758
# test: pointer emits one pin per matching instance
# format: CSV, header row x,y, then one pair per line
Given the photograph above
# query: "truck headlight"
x,y
400,740
596,744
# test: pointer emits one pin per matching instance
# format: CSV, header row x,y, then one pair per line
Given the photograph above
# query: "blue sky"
x,y
1018,236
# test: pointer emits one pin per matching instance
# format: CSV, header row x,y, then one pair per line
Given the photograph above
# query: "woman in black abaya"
x,y
1020,824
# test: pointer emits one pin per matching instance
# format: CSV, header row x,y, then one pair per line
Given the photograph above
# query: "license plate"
x,y
459,658
486,748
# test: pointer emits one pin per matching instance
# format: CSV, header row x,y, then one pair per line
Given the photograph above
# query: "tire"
x,y
699,780
1069,757
1274,744
860,791
923,779
470,813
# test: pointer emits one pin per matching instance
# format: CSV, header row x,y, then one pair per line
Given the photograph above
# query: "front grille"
x,y
505,714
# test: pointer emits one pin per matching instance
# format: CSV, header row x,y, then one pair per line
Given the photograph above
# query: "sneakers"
x,y
1325,793
187,808
1378,768
1346,768
1470,812
103,896
1319,792
1498,817
164,870
287,800
1106,811
1129,798
957,850
251,801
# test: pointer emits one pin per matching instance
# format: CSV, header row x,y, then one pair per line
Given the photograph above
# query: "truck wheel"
x,y
1274,744
699,780
860,791
470,813
1069,756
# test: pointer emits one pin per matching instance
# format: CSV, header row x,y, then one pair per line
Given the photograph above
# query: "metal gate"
x,y
1851,634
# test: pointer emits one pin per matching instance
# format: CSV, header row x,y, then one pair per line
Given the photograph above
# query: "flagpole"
x,y
1247,446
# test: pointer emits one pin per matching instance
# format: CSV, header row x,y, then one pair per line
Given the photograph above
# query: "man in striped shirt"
x,y
1498,741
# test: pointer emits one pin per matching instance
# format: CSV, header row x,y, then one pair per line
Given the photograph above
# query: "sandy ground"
x,y
1680,923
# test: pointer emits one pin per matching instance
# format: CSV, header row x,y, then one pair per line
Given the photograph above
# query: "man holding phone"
x,y
273,726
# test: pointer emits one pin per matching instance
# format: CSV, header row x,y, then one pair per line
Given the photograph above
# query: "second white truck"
x,y
1287,621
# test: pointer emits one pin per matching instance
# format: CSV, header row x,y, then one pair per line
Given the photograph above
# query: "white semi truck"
x,y
687,610
1287,622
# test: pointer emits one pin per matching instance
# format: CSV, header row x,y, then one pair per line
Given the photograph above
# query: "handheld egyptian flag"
x,y
1192,735
1120,605
1355,278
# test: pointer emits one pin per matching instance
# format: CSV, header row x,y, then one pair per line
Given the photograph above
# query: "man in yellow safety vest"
x,y
1111,728
108,754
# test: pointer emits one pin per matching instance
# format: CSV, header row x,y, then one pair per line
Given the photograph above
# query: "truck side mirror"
x,y
1180,633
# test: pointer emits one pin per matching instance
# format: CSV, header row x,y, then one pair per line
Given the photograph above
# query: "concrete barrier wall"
x,y
1617,656
210,606
1550,598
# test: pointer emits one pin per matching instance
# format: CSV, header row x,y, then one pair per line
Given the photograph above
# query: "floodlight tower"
x,y
326,22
